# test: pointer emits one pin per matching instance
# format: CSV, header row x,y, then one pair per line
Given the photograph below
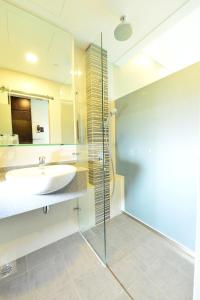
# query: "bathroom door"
x,y
21,119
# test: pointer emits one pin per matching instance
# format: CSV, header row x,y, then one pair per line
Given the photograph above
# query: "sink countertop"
x,y
14,202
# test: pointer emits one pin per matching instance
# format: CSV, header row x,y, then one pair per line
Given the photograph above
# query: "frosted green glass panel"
x,y
157,138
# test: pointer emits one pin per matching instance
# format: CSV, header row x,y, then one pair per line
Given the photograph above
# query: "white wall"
x,y
196,295
67,122
28,155
5,119
40,116
80,91
138,72
117,201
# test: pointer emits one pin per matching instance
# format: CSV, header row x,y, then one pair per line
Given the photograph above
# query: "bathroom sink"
x,y
41,180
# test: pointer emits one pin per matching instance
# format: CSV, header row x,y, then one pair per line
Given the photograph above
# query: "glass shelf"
x,y
37,145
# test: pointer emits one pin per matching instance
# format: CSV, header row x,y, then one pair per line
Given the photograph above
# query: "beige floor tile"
x,y
146,290
136,254
98,284
16,289
42,255
148,266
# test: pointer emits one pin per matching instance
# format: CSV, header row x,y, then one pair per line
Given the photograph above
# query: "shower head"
x,y
123,31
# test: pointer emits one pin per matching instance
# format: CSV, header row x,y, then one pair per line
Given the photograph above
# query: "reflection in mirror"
x,y
36,86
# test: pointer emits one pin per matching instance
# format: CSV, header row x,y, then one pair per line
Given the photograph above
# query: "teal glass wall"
x,y
157,143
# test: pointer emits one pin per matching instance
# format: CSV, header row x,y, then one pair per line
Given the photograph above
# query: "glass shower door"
x,y
94,207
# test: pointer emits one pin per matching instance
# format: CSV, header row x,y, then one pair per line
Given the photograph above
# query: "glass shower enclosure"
x,y
157,132
94,208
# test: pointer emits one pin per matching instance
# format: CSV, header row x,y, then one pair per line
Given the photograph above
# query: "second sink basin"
x,y
41,180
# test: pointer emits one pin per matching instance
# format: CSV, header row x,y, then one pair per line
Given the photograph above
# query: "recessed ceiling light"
x,y
142,60
31,58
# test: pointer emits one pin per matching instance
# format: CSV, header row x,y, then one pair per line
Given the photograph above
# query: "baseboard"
x,y
176,244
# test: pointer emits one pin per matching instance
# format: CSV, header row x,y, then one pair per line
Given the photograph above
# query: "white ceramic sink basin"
x,y
41,180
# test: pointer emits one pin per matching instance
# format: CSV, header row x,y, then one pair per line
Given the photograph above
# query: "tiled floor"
x,y
66,270
147,265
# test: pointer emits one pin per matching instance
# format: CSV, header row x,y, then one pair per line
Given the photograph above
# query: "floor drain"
x,y
8,269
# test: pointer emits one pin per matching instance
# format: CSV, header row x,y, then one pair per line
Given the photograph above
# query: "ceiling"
x,y
177,53
21,32
85,19
47,28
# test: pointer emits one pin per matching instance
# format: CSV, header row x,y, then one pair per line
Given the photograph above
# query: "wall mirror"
x,y
36,84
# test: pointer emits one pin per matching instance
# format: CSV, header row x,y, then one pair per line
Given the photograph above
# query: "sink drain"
x,y
8,269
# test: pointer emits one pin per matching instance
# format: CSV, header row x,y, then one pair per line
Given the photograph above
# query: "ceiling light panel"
x,y
31,58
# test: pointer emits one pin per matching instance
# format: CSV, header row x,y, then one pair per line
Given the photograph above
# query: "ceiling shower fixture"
x,y
123,31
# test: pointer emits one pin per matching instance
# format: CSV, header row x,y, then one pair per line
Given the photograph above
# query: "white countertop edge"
x,y
11,207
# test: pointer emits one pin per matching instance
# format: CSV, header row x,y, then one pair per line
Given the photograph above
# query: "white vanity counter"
x,y
13,202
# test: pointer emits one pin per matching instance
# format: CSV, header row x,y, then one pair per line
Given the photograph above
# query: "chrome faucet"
x,y
42,161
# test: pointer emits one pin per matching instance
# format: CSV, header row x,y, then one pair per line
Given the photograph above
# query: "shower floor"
x,y
65,270
147,265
